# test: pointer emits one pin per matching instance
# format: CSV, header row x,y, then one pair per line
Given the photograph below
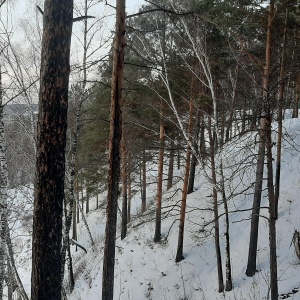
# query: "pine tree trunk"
x,y
157,235
51,143
114,154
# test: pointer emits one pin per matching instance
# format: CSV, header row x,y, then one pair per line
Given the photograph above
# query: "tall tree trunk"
x,y
216,210
297,96
228,283
251,267
51,143
179,254
87,198
252,252
114,154
272,215
144,182
280,117
74,223
124,189
171,165
157,235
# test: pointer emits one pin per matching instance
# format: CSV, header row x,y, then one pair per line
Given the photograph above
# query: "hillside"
x,y
145,270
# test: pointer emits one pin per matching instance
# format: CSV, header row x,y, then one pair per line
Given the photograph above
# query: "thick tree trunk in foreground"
x,y
50,163
114,154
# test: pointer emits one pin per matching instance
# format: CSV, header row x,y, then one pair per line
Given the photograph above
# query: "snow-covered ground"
x,y
145,270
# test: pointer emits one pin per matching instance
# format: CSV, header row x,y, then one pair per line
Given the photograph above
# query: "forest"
x,y
149,152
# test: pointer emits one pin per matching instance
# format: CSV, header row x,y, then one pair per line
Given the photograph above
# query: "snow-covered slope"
x,y
145,270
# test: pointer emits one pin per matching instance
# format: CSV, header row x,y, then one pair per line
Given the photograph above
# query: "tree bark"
x,y
252,252
272,214
251,267
51,143
179,254
114,154
216,210
157,235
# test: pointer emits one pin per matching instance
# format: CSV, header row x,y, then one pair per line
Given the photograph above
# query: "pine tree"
x,y
50,163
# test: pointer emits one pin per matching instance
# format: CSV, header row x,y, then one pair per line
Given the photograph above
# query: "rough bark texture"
x,y
114,154
51,142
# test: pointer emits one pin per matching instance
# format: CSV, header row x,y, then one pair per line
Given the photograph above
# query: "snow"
x,y
145,270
